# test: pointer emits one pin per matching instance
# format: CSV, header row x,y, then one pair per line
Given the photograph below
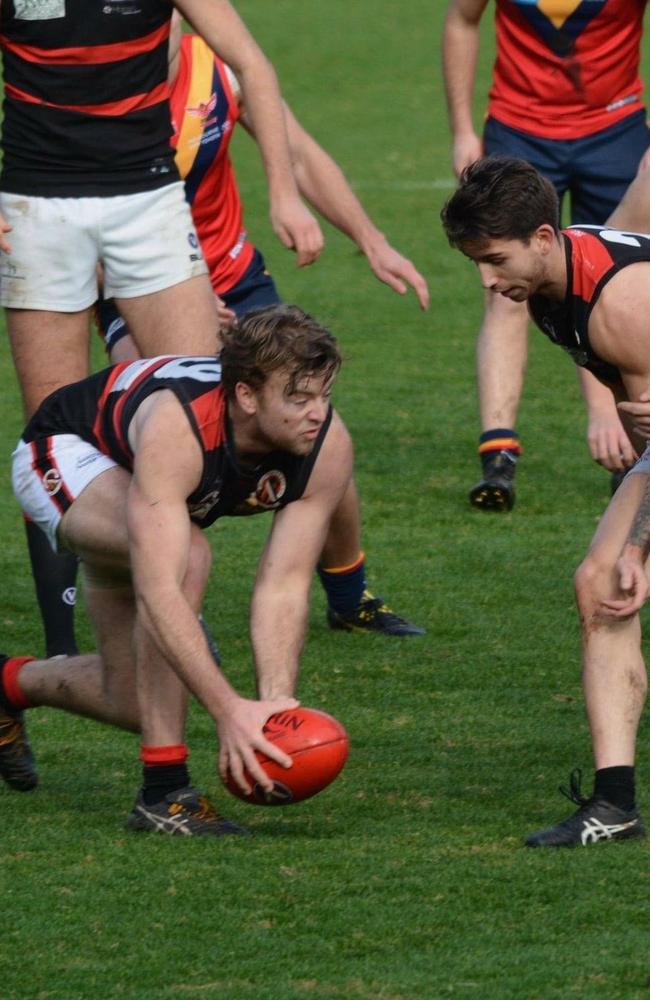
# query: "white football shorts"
x,y
146,242
49,474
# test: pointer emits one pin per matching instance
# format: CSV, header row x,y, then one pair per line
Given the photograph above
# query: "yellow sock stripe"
x,y
345,569
499,444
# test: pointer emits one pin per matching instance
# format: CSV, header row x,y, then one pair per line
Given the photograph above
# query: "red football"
x,y
318,745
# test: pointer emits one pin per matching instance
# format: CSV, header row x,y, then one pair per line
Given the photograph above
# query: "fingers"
x,y
611,448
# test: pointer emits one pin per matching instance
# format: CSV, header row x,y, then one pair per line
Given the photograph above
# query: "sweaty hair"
x,y
499,197
277,337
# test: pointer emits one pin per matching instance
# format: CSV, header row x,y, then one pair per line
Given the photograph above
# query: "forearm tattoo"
x,y
640,530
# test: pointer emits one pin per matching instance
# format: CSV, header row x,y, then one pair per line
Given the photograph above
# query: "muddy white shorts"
x,y
146,242
49,474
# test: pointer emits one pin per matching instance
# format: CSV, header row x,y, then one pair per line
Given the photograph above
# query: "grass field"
x,y
407,879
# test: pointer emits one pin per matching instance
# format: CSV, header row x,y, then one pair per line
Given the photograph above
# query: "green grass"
x,y
406,879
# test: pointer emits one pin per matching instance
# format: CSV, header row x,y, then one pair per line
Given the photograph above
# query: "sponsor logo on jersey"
x,y
203,110
52,482
202,507
39,10
271,488
121,7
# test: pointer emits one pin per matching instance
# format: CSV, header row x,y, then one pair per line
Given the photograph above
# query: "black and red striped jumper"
x,y
86,103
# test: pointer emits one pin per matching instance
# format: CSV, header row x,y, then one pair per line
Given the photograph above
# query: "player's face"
x,y
509,267
290,417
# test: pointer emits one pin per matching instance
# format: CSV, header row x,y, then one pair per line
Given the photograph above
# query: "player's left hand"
x,y
397,272
608,443
297,229
633,584
639,411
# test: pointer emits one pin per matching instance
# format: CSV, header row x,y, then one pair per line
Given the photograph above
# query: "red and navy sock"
x,y
344,585
164,771
12,698
498,439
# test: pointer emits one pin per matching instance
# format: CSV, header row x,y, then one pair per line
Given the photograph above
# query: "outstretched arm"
x,y
166,558
322,182
222,28
281,596
460,47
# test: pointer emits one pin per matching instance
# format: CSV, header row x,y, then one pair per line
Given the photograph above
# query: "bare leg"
x,y
633,212
343,542
182,319
614,675
162,696
501,354
49,350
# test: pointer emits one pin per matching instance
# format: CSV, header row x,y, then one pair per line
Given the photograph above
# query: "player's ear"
x,y
246,398
545,237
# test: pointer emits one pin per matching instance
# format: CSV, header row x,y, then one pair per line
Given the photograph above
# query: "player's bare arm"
x,y
618,327
224,31
460,49
324,185
607,434
281,595
161,540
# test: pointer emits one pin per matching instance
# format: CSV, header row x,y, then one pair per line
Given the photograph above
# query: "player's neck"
x,y
554,280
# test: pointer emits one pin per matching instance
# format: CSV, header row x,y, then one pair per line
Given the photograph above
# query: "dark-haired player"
x,y
124,469
588,289
566,96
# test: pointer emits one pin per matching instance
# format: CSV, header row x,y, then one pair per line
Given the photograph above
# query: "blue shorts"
x,y
594,170
254,290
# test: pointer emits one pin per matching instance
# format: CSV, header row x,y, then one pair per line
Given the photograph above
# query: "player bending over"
x,y
588,289
125,468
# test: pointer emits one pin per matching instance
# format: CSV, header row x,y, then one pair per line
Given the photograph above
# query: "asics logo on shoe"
x,y
594,830
167,824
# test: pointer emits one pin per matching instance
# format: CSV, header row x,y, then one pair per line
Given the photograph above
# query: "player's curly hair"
x,y
277,337
499,198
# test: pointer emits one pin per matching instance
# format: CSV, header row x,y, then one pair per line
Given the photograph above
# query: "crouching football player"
x,y
125,468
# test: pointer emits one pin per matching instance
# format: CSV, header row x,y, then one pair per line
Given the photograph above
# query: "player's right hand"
x,y
632,583
608,443
240,734
297,229
466,149
639,411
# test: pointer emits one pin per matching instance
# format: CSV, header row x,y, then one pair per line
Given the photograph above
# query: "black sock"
x,y
55,576
159,780
616,785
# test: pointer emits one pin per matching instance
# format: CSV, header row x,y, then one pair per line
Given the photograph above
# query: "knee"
x,y
592,582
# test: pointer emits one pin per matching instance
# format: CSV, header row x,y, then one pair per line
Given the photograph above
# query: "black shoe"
x,y
595,820
184,812
496,490
17,766
372,615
